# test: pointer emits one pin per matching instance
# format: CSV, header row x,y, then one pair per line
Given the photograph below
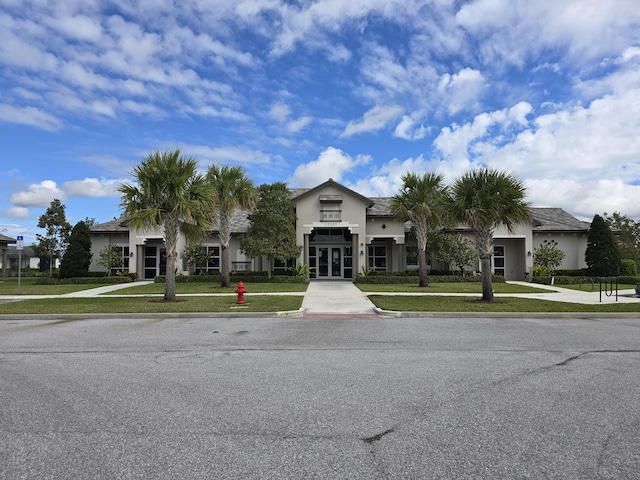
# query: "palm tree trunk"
x,y
171,240
484,242
225,237
487,286
421,231
423,278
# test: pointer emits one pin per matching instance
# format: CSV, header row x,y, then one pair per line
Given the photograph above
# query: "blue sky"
x,y
360,91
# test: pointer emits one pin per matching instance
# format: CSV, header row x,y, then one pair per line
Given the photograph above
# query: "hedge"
x,y
83,280
255,277
570,280
407,279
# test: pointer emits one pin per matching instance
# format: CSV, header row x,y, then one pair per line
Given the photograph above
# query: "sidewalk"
x,y
336,297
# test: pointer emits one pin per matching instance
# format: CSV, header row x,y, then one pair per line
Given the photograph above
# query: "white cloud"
x,y
515,30
280,112
581,143
331,163
455,142
29,116
386,181
38,195
296,125
409,129
242,155
92,187
374,119
585,198
461,90
78,27
15,212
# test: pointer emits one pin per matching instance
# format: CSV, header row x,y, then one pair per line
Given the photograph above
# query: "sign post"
x,y
19,247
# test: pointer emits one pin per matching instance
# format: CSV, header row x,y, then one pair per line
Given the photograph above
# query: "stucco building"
x,y
341,232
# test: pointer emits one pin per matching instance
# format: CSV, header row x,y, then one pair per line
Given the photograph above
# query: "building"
x,y
342,232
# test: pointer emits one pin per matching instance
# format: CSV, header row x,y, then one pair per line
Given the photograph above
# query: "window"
x,y
330,235
411,245
378,257
330,215
282,268
213,264
498,260
122,263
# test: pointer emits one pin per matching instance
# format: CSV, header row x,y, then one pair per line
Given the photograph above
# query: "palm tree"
x,y
233,190
171,194
484,199
423,201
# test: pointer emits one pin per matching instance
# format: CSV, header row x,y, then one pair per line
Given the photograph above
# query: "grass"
x,y
449,288
273,303
474,304
257,303
28,287
189,288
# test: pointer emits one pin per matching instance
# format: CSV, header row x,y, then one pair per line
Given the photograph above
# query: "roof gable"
x,y
332,183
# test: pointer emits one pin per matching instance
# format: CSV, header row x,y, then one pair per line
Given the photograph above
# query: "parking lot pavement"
x,y
325,397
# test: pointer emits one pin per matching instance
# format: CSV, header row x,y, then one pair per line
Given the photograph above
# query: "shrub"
x,y
628,267
407,279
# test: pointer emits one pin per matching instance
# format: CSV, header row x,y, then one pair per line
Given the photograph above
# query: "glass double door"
x,y
331,262
155,261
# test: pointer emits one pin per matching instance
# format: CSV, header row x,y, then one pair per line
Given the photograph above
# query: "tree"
x,y
77,257
171,194
422,200
453,248
233,191
627,235
110,257
54,242
548,257
197,255
603,254
486,198
273,226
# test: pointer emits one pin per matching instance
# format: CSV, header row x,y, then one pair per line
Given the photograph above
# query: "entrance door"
x,y
329,263
155,261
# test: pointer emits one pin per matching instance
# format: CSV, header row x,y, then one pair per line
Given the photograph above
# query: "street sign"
x,y
20,242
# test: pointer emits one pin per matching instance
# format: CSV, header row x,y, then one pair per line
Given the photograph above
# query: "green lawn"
x,y
267,303
450,288
28,287
257,303
474,304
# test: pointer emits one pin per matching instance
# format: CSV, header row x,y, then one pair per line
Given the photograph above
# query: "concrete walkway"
x,y
336,297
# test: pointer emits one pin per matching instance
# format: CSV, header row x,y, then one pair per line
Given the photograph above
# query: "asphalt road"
x,y
326,398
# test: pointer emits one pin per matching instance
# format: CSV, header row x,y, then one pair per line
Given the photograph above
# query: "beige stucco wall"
x,y
573,245
353,217
101,240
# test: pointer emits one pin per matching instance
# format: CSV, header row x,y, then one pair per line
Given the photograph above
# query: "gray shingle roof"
x,y
381,207
114,226
557,220
5,239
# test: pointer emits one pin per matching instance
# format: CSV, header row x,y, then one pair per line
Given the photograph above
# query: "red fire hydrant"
x,y
240,291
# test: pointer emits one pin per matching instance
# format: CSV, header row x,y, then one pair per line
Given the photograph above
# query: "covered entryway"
x,y
155,261
331,254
